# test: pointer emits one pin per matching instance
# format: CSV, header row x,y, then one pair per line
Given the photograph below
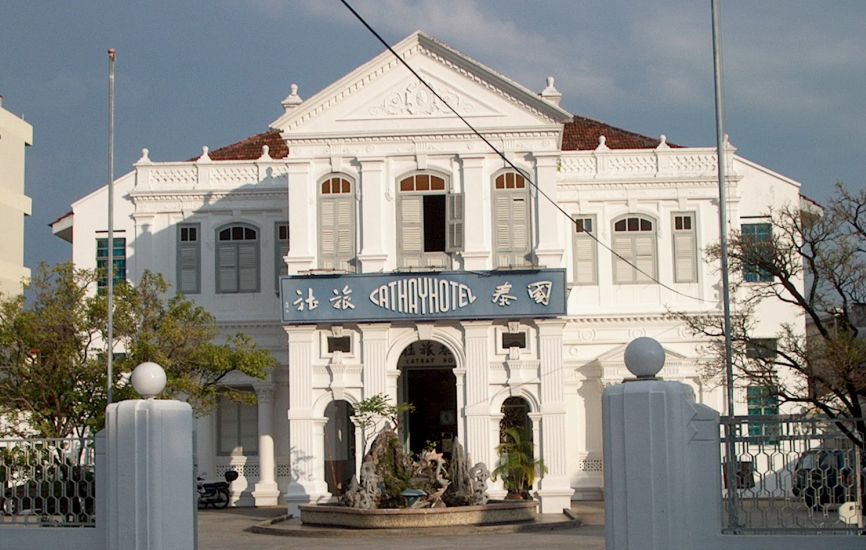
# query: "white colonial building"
x,y
421,265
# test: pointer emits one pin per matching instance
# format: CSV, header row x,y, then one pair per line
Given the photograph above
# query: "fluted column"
x,y
302,218
549,250
266,491
372,191
477,408
554,489
374,351
476,193
304,486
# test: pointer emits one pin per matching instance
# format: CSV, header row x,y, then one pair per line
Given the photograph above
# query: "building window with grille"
x,y
634,247
685,248
763,406
757,239
429,221
511,243
237,259
237,428
337,224
584,251
281,249
189,258
118,259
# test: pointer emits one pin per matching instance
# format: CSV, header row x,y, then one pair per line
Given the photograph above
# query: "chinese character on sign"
x,y
310,302
342,300
501,295
540,292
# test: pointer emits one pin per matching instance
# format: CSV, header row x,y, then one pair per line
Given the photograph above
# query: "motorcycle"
x,y
216,493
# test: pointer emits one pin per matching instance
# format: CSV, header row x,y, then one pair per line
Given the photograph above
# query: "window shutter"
x,y
622,271
188,268
519,225
511,230
411,230
344,248
644,258
227,268
327,233
248,264
455,223
685,258
584,260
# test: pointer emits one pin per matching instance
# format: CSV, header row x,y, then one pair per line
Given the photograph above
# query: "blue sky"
x,y
193,73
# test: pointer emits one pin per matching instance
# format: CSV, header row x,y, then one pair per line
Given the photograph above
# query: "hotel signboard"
x,y
353,298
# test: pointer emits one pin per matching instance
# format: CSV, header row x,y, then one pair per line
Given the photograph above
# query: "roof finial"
x,y
204,156
293,99
144,156
663,142
601,144
266,155
550,93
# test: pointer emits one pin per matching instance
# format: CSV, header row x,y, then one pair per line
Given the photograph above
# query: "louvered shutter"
x,y
227,268
344,248
685,258
644,258
456,223
622,271
411,230
502,229
584,259
188,268
248,267
327,234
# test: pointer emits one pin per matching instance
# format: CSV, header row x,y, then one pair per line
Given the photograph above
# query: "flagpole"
x,y
721,160
112,56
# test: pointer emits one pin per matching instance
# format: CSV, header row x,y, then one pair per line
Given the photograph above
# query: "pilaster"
x,y
549,250
302,218
477,408
266,491
373,253
476,192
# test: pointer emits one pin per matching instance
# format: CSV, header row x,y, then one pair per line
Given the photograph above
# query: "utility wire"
x,y
505,158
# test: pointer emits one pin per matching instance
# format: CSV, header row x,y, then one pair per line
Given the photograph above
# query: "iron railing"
x,y
794,474
47,482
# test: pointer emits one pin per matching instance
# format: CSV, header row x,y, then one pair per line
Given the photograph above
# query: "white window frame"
x,y
343,225
583,245
221,246
193,246
681,253
507,254
626,244
453,223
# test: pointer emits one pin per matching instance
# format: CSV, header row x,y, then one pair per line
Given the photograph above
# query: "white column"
x,y
302,218
476,193
549,250
477,408
554,489
281,421
374,347
266,491
304,487
372,190
204,445
495,489
460,382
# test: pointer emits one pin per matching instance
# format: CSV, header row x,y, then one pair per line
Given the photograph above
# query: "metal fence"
x,y
47,482
793,475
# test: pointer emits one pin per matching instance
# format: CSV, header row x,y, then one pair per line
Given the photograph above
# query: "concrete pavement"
x,y
227,529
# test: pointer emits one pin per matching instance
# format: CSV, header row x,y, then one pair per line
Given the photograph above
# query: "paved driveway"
x,y
224,530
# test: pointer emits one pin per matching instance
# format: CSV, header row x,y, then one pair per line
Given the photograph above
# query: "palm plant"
x,y
518,466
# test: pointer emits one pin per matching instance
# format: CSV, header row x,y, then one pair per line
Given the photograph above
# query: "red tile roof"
x,y
251,148
579,134
583,133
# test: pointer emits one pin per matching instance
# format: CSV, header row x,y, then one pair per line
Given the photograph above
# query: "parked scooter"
x,y
216,493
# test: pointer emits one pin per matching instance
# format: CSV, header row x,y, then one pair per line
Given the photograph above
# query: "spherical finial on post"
x,y
644,357
148,379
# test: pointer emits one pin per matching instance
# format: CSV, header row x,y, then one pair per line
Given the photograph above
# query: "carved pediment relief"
x,y
414,99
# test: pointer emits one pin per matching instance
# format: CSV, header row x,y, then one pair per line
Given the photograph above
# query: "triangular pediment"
x,y
383,97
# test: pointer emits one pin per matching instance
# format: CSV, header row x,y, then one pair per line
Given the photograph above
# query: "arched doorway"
x,y
339,446
428,382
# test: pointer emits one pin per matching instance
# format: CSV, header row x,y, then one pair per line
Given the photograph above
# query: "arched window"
x,y
237,258
634,244
511,244
337,224
429,221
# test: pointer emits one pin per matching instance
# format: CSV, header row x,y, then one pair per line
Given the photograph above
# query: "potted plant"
x,y
518,466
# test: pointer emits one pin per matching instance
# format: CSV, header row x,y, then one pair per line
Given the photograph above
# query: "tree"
x,y
813,260
52,352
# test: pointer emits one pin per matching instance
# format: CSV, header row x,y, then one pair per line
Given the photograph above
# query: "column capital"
x,y
547,327
299,331
264,393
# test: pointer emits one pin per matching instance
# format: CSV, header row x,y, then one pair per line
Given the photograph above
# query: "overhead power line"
x,y
505,158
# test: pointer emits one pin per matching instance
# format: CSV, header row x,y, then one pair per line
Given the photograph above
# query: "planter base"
x,y
489,514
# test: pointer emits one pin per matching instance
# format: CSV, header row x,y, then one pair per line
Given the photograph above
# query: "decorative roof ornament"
x,y
601,145
145,159
550,93
663,142
266,153
204,156
293,99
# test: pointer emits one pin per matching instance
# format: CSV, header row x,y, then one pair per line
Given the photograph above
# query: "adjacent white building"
x,y
423,266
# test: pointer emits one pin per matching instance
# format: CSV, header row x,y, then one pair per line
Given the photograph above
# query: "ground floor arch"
x,y
339,446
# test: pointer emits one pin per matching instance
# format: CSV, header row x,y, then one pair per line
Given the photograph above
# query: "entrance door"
x,y
428,383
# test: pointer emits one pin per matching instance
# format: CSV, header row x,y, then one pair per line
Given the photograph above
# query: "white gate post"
x,y
150,500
